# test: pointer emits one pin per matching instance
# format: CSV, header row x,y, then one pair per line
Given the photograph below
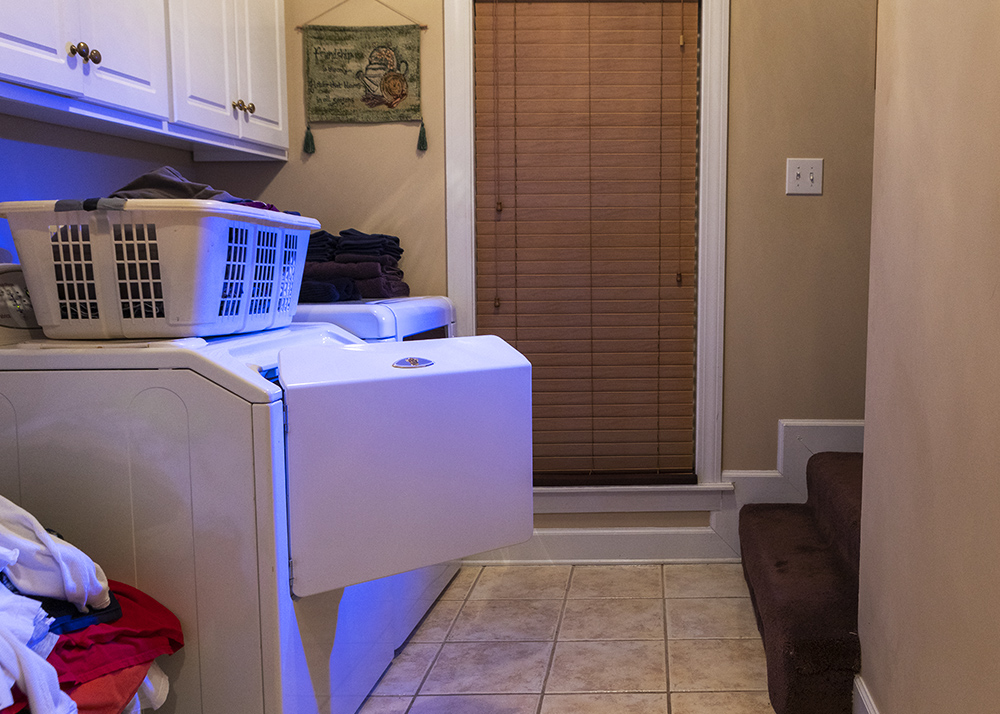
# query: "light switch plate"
x,y
804,177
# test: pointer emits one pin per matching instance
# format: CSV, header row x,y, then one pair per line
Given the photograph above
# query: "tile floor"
x,y
585,639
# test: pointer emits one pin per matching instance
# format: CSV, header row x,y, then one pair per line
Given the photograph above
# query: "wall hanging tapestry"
x,y
362,74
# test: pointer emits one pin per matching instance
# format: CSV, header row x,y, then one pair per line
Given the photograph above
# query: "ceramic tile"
x,y
634,666
604,704
461,584
522,581
598,581
407,670
717,665
437,622
720,703
704,580
621,619
385,705
476,704
512,620
488,668
485,647
710,618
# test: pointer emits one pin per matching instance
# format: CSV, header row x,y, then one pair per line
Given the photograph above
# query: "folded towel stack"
x,y
352,265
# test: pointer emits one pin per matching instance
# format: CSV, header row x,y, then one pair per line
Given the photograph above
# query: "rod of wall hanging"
x,y
344,2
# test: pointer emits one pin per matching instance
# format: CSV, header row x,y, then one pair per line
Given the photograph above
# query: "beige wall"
x,y
929,563
801,86
365,176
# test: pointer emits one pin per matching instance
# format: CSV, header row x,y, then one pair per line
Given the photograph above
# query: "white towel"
x,y
154,688
48,566
25,619
25,642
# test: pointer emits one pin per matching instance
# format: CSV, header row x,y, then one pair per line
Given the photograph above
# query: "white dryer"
x,y
386,320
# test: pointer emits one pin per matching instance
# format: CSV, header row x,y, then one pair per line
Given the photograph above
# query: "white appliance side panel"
x,y
150,472
277,644
417,591
158,447
10,472
393,469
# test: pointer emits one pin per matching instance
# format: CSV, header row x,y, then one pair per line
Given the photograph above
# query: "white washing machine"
x,y
288,494
386,320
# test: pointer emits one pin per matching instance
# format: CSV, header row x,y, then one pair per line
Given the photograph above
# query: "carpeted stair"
x,y
801,565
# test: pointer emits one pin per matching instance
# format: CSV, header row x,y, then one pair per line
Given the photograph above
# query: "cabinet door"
x,y
228,52
132,39
261,45
34,45
203,62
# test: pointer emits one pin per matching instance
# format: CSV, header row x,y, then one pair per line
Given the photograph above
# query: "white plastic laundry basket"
x,y
158,267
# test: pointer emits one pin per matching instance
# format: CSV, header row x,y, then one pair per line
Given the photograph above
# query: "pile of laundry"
x,y
351,266
70,639
167,182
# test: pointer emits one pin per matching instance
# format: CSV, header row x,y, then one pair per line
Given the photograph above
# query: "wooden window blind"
x,y
586,126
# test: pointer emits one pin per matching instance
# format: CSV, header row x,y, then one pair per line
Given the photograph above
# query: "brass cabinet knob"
x,y
239,104
251,108
86,54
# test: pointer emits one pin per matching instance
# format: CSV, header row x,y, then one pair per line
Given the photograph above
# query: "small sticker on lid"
x,y
412,363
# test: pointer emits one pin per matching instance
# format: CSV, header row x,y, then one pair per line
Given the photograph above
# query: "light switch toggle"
x,y
804,177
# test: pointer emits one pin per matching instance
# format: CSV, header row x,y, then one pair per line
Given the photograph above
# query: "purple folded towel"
x,y
386,260
331,269
383,287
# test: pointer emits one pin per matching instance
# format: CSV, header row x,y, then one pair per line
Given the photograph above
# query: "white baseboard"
x,y
621,545
592,546
625,499
798,439
863,702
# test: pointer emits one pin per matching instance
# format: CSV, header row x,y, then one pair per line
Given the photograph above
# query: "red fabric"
x,y
111,693
108,694
145,631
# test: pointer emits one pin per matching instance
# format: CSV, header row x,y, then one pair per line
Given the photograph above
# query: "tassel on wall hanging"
x,y
361,75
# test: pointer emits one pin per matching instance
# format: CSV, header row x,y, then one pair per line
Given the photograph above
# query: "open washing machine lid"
x,y
402,455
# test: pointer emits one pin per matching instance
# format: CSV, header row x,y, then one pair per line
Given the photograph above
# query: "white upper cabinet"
x,y
131,37
228,63
208,76
262,53
34,44
43,43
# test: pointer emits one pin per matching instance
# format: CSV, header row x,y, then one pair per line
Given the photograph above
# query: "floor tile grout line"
x,y
555,640
666,634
